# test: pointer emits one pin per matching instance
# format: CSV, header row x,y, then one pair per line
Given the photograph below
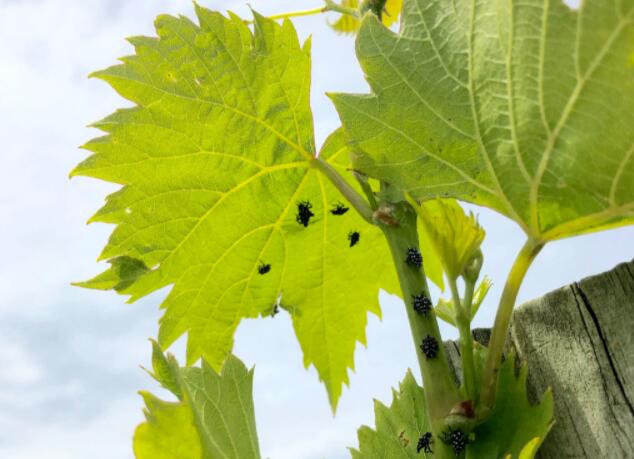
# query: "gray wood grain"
x,y
579,340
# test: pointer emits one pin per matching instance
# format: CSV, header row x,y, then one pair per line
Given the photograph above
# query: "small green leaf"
x,y
348,24
479,295
469,101
514,423
216,417
445,308
123,272
398,427
165,370
454,236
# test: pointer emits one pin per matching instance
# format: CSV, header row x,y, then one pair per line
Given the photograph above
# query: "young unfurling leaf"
x,y
455,237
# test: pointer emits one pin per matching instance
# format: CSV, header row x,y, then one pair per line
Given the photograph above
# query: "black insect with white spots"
x,y
264,268
414,258
339,209
457,439
353,237
424,443
304,213
421,304
430,347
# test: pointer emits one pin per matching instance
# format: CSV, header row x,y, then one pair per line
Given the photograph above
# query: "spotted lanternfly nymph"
x,y
457,439
429,347
421,303
264,268
414,258
424,443
339,209
304,213
353,237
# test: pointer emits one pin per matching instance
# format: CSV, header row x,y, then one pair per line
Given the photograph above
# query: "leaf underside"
x,y
524,107
516,427
214,159
215,419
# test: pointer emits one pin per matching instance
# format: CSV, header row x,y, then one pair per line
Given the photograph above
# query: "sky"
x,y
69,358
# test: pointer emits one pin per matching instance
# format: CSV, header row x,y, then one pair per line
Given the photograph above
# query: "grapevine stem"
x,y
329,6
463,320
502,319
441,392
294,14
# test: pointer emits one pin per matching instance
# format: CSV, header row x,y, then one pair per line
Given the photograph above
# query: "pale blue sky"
x,y
69,357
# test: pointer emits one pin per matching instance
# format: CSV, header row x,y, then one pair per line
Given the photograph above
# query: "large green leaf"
x,y
214,158
525,107
215,419
515,430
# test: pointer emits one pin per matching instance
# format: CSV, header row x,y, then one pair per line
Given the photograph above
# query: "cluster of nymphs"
x,y
414,258
424,443
421,304
430,347
304,214
455,438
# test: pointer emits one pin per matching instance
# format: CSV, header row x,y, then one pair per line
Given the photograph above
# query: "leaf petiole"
x,y
502,319
329,6
357,201
463,322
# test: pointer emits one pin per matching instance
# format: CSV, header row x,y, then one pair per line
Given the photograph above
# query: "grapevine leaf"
x,y
214,159
524,107
215,419
348,24
398,427
165,370
516,428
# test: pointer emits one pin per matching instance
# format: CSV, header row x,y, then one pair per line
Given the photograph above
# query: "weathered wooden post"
x,y
579,340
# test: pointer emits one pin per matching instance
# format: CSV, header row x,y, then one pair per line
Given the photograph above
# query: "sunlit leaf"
x,y
214,158
349,24
524,107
